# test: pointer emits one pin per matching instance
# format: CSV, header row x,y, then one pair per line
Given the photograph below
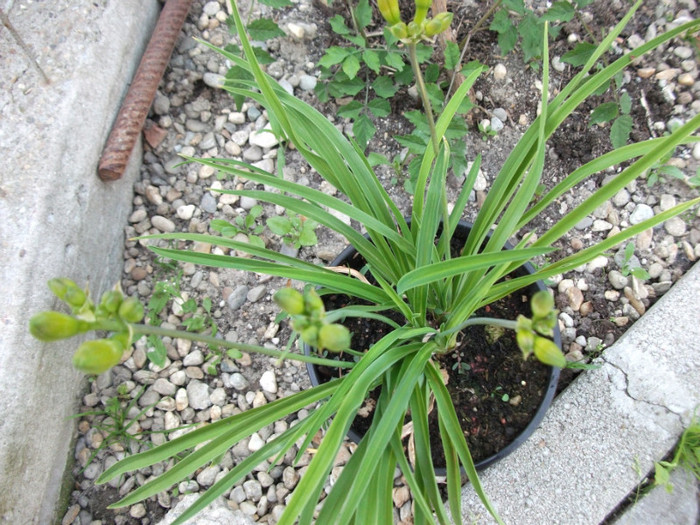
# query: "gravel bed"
x,y
192,116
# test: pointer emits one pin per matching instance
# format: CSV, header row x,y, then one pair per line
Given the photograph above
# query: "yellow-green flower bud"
x,y
66,290
95,357
438,24
111,300
545,325
422,7
542,303
300,323
310,335
548,352
290,300
526,341
131,310
399,30
415,29
390,10
313,304
333,337
52,326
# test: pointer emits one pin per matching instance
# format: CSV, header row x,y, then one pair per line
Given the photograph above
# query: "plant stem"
x,y
355,25
465,43
504,323
143,329
420,85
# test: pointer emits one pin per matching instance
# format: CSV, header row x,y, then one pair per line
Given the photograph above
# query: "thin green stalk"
x,y
420,85
472,321
143,329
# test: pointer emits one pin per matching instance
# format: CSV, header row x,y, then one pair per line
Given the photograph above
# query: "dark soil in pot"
x,y
499,398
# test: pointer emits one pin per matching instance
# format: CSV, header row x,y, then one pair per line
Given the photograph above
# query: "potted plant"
x,y
411,272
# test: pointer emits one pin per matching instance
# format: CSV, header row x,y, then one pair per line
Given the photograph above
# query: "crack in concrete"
x,y
636,399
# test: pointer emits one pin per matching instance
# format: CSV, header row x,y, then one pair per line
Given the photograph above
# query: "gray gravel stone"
x,y
307,82
253,489
164,387
214,80
237,297
207,477
194,358
208,203
238,381
641,213
675,226
198,395
256,293
496,124
617,280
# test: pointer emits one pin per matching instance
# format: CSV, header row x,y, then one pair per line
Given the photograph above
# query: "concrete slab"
x,y
603,433
679,507
56,217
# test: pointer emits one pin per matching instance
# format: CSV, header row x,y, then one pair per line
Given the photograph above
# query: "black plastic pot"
x,y
462,233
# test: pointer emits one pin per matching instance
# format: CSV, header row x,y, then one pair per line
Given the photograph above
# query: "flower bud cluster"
x,y
308,318
114,313
532,334
417,29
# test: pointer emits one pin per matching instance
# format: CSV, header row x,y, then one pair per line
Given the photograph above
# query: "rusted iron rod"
x,y
142,91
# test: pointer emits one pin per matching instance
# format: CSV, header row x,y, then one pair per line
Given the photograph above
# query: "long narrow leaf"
x,y
451,425
169,449
463,265
334,281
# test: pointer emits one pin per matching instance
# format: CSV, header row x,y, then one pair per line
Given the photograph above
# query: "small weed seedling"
x,y
687,456
113,421
295,230
628,268
246,224
195,318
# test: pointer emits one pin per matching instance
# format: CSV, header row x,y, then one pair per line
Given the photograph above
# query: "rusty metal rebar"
x,y
139,98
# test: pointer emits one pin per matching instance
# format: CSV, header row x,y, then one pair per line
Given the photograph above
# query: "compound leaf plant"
x,y
413,274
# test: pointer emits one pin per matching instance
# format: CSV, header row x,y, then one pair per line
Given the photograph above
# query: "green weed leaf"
x,y
351,65
338,25
625,103
413,142
531,29
276,3
279,225
379,107
672,171
334,55
264,29
517,6
579,55
384,87
620,131
507,35
364,130
376,159
395,60
604,113
451,55
371,59
350,110
560,11
363,13
423,52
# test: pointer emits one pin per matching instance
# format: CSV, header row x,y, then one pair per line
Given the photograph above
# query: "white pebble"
x,y
499,72
186,211
268,382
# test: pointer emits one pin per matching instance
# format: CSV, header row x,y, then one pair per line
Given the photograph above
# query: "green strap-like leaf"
x,y
446,412
463,265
